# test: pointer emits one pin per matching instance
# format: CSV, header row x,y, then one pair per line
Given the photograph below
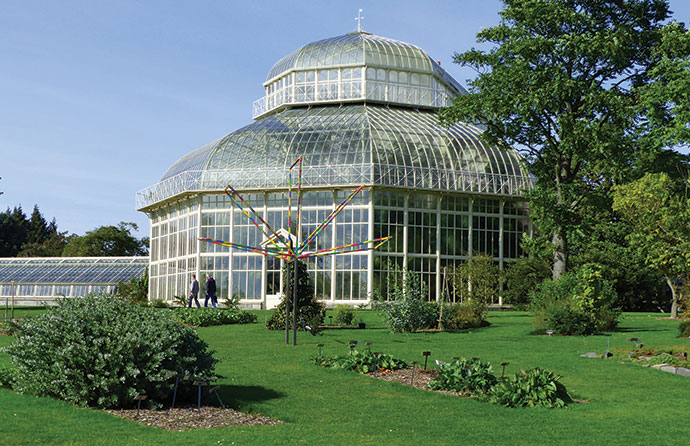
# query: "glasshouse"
x,y
359,109
39,281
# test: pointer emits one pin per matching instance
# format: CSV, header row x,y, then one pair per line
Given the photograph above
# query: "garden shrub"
x,y
7,377
469,376
102,351
577,303
684,328
360,361
408,311
477,279
343,314
159,303
535,387
461,316
310,312
205,317
521,277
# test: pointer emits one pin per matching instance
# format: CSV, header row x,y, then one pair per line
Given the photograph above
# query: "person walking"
x,y
194,292
210,291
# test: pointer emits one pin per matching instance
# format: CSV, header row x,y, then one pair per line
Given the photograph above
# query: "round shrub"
x,y
576,304
343,314
407,309
461,316
101,351
684,328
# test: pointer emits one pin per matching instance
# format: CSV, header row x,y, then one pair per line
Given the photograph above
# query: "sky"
x,y
99,98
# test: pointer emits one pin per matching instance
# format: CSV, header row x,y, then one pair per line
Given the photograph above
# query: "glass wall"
x,y
430,231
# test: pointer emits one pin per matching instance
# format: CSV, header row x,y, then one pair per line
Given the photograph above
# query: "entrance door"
x,y
274,285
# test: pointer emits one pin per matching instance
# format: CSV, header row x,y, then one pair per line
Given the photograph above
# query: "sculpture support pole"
x,y
287,305
294,304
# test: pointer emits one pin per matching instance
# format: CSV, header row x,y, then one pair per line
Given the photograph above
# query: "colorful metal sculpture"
x,y
286,249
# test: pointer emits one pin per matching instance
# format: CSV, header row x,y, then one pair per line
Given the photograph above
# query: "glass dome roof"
x,y
347,146
358,48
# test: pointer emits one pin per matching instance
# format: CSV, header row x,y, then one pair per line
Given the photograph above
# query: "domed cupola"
x,y
356,67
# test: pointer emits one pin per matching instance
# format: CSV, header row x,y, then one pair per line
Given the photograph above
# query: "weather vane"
x,y
359,19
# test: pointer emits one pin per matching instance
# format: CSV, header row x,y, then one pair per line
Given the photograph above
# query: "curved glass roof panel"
x,y
347,146
355,49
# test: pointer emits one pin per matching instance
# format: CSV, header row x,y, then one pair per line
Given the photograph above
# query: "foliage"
x,y
22,236
477,279
8,377
310,312
360,361
343,314
639,288
464,315
100,351
407,310
684,328
522,276
469,376
206,317
577,303
675,356
232,301
535,387
660,219
107,241
559,84
135,290
159,303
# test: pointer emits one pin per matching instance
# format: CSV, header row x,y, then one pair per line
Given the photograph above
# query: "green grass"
x,y
628,405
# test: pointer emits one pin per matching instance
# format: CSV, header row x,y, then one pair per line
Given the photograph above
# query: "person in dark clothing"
x,y
194,292
210,291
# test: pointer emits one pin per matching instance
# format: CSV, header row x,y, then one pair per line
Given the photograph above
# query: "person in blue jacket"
x,y
210,291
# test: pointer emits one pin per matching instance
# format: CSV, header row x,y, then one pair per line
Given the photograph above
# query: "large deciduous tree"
x,y
660,217
107,241
560,86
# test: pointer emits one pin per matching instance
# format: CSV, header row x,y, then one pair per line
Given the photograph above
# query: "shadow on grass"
x,y
238,397
633,330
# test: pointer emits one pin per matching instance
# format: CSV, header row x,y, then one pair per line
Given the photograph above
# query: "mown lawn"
x,y
628,405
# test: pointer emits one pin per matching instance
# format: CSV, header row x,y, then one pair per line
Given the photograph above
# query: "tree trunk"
x,y
674,298
560,253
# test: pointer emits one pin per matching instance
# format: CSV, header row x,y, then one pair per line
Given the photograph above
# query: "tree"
x,y
13,230
107,241
559,85
42,238
660,218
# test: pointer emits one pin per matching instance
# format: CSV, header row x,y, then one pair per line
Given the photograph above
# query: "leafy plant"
x,y
100,351
461,316
522,276
310,312
159,303
7,377
136,290
205,317
408,311
535,387
684,328
360,361
576,303
477,279
469,376
232,302
343,314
